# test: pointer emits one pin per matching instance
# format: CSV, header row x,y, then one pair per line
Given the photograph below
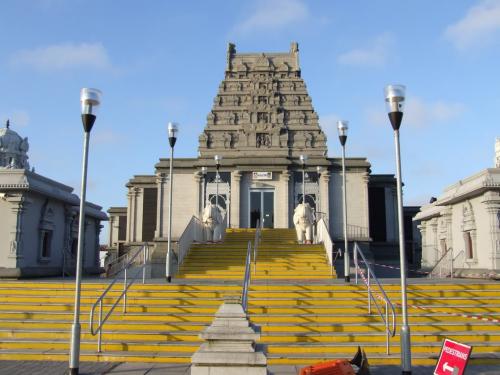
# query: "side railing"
x,y
323,236
128,280
445,266
193,232
376,294
246,280
256,243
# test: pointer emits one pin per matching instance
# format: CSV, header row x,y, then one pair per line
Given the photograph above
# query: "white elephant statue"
x,y
212,221
303,219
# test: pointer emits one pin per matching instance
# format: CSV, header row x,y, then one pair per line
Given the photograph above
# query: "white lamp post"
x,y
395,98
172,138
90,100
342,127
204,177
217,159
303,161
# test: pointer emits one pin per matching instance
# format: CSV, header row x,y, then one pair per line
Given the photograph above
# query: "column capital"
x,y
285,175
236,174
325,176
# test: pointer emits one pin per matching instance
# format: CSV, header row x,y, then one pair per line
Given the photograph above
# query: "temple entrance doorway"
x,y
261,208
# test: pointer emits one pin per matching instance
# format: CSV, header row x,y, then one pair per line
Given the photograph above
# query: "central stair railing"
x,y
377,295
248,263
256,243
323,236
128,280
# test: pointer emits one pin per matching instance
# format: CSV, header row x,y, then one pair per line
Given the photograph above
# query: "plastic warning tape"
x,y
397,268
461,315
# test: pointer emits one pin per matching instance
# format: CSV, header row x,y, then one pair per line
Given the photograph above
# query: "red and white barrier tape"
x,y
397,268
461,315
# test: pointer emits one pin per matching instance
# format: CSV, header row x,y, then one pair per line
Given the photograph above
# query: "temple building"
x,y
261,122
39,218
462,225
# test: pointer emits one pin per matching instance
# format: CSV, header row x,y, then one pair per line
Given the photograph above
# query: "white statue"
x,y
303,219
212,220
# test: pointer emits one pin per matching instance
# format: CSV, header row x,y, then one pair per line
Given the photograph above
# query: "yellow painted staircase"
x,y
305,315
279,257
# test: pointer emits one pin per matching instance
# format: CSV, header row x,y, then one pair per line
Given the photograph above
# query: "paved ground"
x,y
90,368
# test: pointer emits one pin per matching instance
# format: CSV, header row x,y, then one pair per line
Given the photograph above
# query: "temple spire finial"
x,y
7,123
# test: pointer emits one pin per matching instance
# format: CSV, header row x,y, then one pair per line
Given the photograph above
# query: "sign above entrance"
x,y
453,358
262,175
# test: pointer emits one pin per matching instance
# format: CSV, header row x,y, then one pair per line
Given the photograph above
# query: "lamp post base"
x,y
169,279
73,371
347,279
406,373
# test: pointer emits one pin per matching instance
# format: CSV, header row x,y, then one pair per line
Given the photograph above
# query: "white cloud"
x,y
273,15
478,27
17,118
420,114
63,56
376,54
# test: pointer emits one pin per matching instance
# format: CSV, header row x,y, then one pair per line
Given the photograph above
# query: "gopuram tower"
x,y
262,109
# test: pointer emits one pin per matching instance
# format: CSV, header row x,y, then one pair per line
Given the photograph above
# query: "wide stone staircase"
x,y
279,257
304,313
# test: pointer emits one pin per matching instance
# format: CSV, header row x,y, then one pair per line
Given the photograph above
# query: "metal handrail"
x,y
451,265
126,285
390,329
323,236
246,280
256,243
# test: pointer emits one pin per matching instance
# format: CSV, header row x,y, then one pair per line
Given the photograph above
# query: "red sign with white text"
x,y
453,358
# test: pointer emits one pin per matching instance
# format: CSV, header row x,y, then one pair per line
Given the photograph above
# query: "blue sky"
x,y
158,61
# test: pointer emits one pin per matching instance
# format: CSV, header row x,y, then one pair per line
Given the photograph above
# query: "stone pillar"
x,y
161,181
492,205
391,215
198,181
132,214
366,205
284,197
18,207
235,198
324,193
230,346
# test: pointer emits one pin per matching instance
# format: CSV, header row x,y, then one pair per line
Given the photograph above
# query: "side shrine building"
x,y
261,121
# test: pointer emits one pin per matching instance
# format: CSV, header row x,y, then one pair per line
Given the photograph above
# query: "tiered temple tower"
x,y
262,106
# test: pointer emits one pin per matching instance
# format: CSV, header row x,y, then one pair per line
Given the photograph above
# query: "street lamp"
x,y
204,176
342,127
303,161
395,98
217,159
90,100
172,138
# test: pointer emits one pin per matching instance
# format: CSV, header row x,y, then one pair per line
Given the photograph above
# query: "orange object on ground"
x,y
336,367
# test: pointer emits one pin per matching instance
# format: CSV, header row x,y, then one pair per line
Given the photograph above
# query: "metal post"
x,y
405,328
144,264
169,247
369,292
347,276
217,187
303,183
387,327
355,253
452,260
202,196
99,338
125,290
74,359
